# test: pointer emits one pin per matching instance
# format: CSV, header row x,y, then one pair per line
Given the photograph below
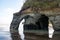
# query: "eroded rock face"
x,y
56,21
32,22
32,11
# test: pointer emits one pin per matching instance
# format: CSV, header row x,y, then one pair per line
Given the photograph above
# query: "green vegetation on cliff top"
x,y
42,3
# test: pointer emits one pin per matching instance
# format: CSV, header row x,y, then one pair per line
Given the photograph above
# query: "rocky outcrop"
x,y
32,11
56,21
33,21
17,19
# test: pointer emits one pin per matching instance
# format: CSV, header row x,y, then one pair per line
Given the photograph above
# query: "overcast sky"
x,y
7,8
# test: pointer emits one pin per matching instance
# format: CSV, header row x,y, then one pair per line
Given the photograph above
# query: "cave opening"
x,y
41,24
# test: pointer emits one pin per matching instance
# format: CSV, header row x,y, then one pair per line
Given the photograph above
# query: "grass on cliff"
x,y
42,3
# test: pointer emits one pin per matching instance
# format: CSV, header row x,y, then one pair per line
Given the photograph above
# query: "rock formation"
x,y
37,8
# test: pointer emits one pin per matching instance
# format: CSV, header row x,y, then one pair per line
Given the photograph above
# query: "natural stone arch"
x,y
17,19
15,22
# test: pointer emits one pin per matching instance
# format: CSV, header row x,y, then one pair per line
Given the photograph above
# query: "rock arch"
x,y
40,21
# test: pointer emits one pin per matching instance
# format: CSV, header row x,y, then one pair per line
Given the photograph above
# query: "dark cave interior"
x,y
41,24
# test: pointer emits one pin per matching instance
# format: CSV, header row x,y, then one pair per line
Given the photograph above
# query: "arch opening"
x,y
40,24
30,23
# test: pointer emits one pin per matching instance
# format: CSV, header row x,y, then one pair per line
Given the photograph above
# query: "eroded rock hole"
x,y
41,24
